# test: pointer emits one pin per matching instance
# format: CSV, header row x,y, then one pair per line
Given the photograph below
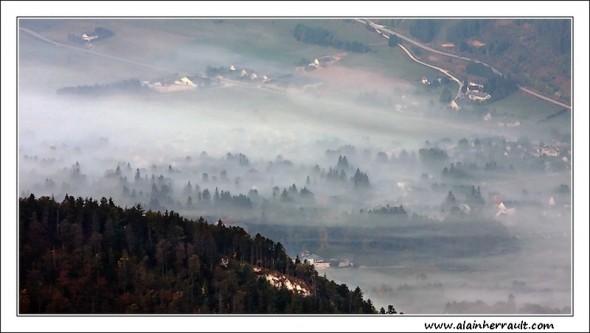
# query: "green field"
x,y
181,44
260,43
540,120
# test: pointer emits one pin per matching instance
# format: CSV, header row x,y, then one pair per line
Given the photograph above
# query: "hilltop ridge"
x,y
88,256
534,52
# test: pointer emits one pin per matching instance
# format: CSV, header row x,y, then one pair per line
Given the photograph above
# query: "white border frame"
x,y
12,10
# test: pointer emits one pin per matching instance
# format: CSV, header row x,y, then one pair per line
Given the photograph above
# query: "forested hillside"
x,y
535,52
88,256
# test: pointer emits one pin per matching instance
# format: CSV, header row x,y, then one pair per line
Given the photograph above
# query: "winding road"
x,y
381,28
444,71
530,92
378,28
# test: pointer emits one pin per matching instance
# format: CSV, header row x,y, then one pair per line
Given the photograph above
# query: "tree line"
x,y
88,256
321,36
124,86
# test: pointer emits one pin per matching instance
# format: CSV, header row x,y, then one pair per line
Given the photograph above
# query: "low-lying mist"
x,y
405,198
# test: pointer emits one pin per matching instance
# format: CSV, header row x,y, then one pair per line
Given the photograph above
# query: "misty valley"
x,y
339,152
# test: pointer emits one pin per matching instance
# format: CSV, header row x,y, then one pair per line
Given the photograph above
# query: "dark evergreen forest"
x,y
92,257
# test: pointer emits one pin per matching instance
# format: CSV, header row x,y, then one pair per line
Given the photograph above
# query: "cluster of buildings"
x,y
198,80
182,84
248,74
475,92
471,91
546,150
320,263
431,81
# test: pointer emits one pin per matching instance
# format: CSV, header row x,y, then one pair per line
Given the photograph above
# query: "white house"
x,y
88,38
315,63
320,264
502,210
478,96
185,80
